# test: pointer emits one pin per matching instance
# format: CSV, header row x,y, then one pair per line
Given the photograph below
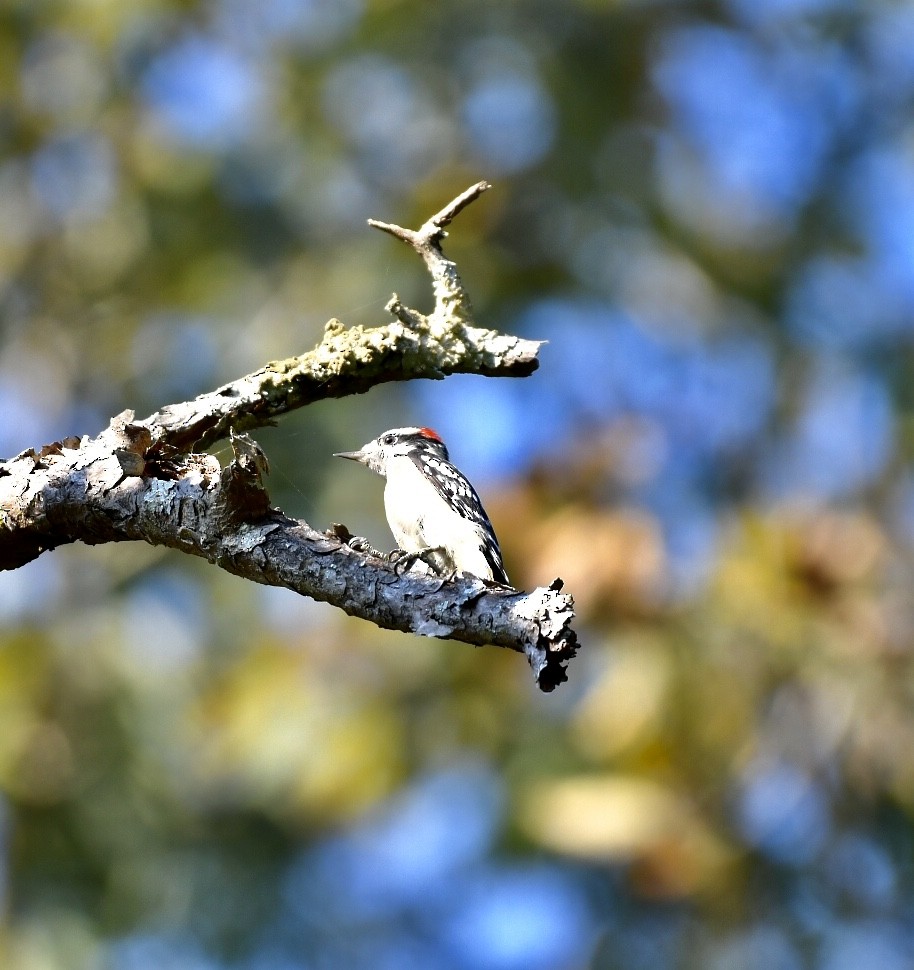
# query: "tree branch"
x,y
139,480
352,361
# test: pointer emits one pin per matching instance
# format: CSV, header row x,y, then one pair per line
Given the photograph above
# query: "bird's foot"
x,y
434,558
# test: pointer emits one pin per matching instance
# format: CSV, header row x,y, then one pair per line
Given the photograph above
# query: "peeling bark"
x,y
140,480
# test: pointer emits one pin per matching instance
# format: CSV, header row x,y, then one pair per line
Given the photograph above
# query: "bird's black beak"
x,y
351,455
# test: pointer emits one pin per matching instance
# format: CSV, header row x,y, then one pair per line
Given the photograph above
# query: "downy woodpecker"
x,y
433,511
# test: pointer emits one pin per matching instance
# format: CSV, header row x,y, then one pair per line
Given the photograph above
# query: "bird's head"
x,y
396,443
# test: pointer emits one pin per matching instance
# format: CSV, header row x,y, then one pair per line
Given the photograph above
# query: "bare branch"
x,y
455,207
352,361
139,480
344,362
452,302
224,515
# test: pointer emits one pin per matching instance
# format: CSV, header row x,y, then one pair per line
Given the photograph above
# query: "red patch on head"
x,y
431,433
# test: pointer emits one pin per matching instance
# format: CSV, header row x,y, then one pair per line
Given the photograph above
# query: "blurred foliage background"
x,y
707,209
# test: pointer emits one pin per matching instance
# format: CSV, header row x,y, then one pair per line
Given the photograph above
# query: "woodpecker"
x,y
432,510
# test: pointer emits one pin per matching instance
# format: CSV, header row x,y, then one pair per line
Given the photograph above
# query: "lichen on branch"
x,y
149,479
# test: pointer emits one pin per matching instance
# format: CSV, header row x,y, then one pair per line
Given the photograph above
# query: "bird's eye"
x,y
388,439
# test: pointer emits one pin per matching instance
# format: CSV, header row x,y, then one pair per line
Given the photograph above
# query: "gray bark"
x,y
149,480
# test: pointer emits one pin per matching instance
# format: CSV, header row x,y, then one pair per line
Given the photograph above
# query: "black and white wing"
x,y
453,486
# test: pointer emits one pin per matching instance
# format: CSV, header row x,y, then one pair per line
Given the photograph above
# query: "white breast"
x,y
419,518
409,500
